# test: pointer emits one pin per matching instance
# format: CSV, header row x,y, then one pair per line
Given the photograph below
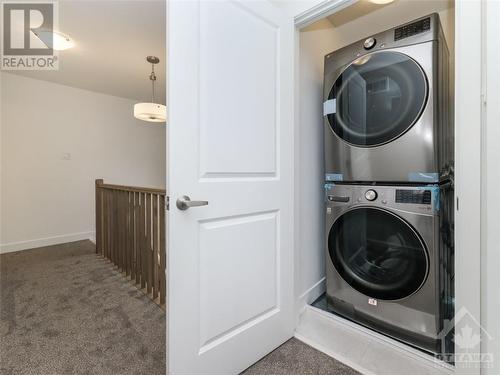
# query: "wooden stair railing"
x,y
130,232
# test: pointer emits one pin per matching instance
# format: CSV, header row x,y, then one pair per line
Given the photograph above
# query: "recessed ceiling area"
x,y
359,20
112,40
400,11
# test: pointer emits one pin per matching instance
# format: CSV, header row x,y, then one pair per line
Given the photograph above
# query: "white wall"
x,y
316,41
46,199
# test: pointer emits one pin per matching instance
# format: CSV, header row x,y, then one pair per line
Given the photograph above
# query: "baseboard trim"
x,y
364,350
311,294
47,241
346,361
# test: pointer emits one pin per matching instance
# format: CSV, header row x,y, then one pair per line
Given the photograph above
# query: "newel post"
x,y
98,216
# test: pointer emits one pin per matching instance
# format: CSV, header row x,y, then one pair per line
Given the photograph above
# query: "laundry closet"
x,y
251,262
356,169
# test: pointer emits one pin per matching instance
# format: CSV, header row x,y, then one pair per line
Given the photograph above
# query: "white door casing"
x,y
230,294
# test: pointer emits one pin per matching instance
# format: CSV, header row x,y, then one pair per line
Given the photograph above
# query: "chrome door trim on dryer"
x,y
332,116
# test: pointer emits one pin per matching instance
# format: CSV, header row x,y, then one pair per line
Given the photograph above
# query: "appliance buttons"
x,y
369,43
371,195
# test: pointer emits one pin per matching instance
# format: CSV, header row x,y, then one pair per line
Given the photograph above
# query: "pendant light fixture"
x,y
55,39
152,112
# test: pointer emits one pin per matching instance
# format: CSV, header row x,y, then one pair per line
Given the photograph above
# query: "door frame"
x,y
490,302
469,150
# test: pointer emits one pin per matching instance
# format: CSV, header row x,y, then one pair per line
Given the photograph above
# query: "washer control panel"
x,y
421,199
413,196
371,195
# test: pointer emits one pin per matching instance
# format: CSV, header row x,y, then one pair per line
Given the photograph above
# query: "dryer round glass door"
x,y
378,253
377,98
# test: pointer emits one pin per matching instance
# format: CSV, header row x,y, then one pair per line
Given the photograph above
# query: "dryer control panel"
x,y
412,29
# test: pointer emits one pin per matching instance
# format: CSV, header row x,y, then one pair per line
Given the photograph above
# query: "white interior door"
x,y
230,263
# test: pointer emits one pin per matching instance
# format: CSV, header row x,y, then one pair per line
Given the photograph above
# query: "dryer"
x,y
387,107
387,266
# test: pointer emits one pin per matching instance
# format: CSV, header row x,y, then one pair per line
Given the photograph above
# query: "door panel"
x,y
230,133
243,108
230,257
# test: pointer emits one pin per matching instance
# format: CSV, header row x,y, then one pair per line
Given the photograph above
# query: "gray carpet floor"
x,y
66,311
297,358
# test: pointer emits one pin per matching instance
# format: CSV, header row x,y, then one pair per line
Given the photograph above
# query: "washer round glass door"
x,y
378,253
377,98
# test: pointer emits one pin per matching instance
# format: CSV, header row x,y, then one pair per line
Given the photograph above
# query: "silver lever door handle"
x,y
184,202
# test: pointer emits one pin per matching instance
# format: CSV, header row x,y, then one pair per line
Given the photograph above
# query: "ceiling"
x,y
112,40
396,10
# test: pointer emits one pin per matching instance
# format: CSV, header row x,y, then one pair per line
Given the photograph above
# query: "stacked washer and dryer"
x,y
389,151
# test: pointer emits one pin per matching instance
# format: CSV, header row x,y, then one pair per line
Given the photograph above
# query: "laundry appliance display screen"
x,y
413,196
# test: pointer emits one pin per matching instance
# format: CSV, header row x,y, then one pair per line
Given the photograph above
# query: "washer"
x,y
387,265
387,107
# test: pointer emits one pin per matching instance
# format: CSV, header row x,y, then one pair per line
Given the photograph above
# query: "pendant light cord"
x,y
152,77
